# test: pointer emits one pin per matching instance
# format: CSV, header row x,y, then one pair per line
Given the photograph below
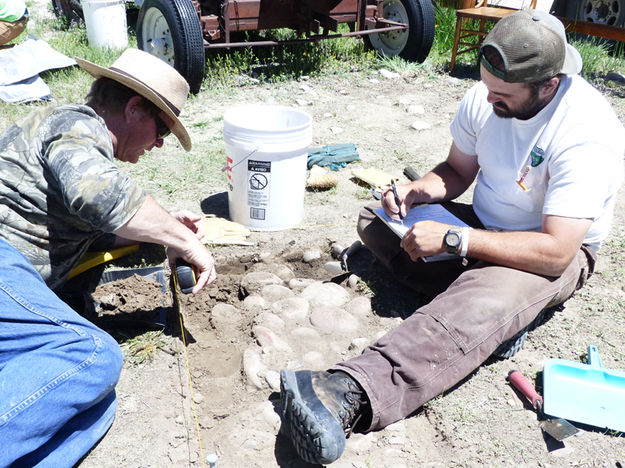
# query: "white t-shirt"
x,y
567,160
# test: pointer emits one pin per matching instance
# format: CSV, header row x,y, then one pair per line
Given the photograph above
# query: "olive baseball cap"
x,y
533,46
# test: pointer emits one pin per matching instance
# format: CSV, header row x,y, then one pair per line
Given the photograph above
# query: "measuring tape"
x,y
184,279
185,276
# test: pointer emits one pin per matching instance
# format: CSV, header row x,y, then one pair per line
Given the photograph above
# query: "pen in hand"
x,y
397,201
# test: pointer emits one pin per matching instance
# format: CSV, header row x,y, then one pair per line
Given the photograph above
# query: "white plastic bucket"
x,y
267,152
106,23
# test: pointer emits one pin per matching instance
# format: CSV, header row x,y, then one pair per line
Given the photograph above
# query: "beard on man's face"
x,y
526,111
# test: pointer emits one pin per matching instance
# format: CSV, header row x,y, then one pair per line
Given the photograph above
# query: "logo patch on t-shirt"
x,y
537,156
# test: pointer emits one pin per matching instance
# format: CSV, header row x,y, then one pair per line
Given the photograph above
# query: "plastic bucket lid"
x,y
267,125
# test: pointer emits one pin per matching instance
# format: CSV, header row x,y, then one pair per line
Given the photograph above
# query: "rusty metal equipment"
x,y
180,31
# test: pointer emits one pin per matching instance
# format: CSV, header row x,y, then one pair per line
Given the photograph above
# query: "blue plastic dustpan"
x,y
585,393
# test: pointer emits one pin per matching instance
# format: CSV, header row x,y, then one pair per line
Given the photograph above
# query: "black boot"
x,y
318,410
510,347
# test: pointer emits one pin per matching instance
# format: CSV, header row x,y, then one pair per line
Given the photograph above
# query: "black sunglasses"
x,y
162,130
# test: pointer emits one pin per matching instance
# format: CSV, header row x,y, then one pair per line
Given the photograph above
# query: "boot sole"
x,y
315,434
511,347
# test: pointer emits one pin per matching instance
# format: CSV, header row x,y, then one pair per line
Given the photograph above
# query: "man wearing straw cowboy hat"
x,y
60,191
545,151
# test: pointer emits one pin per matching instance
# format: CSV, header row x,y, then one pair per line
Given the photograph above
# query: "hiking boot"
x,y
319,410
512,346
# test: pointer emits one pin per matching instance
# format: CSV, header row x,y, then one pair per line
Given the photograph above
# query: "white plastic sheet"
x,y
20,67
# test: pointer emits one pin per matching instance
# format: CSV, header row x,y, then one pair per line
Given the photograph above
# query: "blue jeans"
x,y
57,372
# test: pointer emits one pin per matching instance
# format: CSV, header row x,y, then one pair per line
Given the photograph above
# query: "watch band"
x,y
465,242
453,240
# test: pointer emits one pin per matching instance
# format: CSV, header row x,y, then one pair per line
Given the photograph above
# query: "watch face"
x,y
452,239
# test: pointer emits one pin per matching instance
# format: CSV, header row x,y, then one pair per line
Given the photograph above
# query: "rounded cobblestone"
x,y
254,301
301,283
275,292
311,255
333,320
284,272
292,309
359,306
325,294
254,281
268,339
253,367
225,315
333,268
273,380
270,320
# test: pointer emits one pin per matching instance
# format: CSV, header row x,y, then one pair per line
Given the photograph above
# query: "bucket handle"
x,y
242,159
593,356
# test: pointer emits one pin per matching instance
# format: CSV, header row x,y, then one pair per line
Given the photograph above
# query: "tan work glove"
x,y
374,177
223,231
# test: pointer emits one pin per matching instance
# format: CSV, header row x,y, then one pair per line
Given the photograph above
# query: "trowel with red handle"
x,y
557,428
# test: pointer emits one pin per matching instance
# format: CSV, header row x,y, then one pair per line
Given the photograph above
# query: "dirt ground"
x,y
212,389
238,339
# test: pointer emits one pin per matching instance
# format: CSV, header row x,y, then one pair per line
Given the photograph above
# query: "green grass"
x,y
440,55
242,66
292,61
142,349
599,58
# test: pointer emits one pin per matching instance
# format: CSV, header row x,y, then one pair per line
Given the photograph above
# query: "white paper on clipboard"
x,y
432,212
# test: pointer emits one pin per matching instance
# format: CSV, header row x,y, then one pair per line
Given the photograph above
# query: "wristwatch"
x,y
453,240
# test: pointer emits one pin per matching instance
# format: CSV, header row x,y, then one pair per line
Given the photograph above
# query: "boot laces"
x,y
352,406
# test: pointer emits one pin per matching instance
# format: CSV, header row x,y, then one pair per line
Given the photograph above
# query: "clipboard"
x,y
432,212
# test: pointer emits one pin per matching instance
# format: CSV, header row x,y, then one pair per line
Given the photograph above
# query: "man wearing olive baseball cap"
x,y
61,192
545,151
532,46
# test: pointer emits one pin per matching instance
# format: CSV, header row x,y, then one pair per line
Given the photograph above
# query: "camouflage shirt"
x,y
60,189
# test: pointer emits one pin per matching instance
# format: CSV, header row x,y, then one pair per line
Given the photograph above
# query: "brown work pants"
x,y
10,30
475,308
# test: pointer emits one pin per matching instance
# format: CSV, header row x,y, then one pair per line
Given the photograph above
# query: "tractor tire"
x,y
171,31
413,44
610,12
70,9
595,11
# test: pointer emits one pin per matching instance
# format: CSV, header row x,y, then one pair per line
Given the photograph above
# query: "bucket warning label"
x,y
258,182
259,178
258,166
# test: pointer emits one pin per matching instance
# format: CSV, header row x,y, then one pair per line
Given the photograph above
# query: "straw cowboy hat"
x,y
153,79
